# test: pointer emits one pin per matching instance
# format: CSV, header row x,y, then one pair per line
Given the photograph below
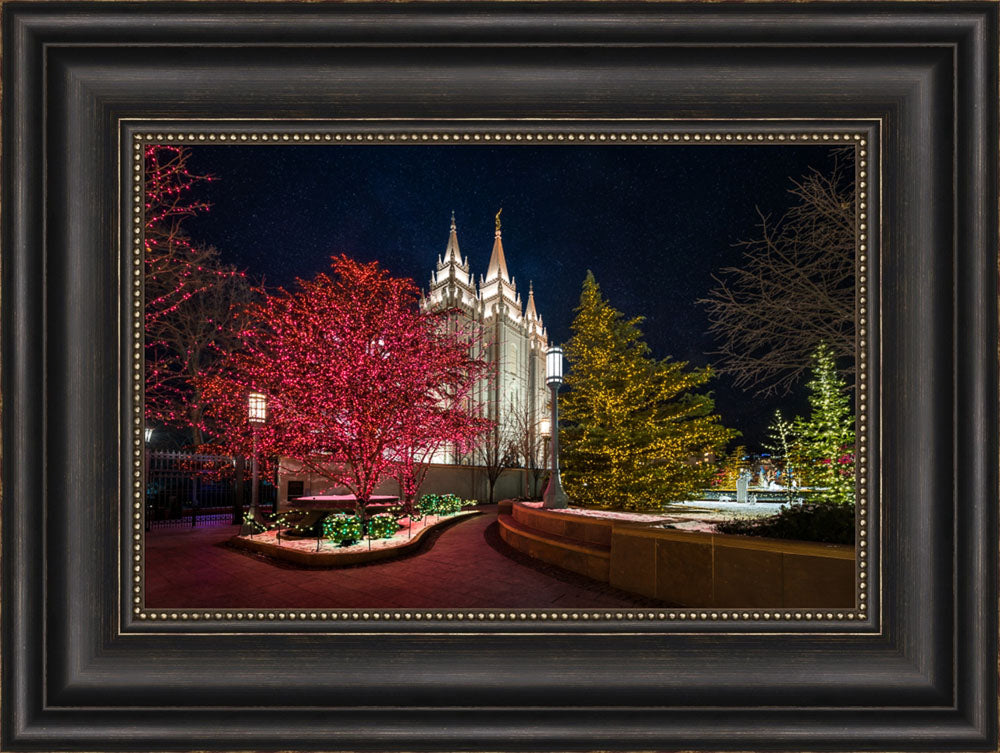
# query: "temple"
x,y
516,397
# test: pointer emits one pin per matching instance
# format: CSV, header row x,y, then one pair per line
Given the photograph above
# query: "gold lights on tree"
x,y
635,426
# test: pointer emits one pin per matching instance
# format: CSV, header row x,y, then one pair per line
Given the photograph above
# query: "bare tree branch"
x,y
496,452
530,445
794,289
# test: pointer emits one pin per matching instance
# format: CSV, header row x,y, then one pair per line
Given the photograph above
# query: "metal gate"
x,y
188,489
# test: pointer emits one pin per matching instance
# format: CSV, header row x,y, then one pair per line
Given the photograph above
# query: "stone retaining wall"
x,y
696,569
595,531
577,555
686,568
467,481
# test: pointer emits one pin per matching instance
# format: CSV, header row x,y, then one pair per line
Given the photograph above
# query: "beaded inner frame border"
x,y
662,132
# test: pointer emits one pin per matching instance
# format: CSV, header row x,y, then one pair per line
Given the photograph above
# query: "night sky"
x,y
652,222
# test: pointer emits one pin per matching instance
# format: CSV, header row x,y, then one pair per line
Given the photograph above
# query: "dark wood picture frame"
x,y
918,671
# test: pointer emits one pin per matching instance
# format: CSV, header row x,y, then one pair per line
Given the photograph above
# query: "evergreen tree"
x,y
634,426
729,468
825,442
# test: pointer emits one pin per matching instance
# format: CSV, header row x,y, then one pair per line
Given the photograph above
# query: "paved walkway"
x,y
188,568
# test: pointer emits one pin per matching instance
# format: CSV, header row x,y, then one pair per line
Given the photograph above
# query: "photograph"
x,y
512,375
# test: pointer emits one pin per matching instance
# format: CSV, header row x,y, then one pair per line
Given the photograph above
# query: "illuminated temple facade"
x,y
516,398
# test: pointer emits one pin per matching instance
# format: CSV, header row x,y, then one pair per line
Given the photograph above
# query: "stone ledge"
x,y
698,569
570,554
344,559
687,568
762,543
589,530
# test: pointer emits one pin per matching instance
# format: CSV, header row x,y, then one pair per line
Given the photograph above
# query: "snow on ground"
x,y
712,508
732,508
693,525
638,517
695,515
403,536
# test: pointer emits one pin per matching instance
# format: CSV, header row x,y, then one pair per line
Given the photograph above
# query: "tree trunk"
x,y
238,491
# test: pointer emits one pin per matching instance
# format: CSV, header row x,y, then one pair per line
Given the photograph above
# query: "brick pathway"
x,y
188,568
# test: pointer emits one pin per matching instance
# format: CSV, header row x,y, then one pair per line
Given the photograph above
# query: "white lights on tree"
x,y
554,365
149,434
257,406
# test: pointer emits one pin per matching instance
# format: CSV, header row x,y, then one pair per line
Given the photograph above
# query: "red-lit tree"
x,y
434,429
192,300
360,382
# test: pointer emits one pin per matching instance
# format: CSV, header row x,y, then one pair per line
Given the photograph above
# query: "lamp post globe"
x,y
554,497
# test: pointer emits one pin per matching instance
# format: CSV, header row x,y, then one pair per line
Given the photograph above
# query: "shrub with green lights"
x,y
382,525
439,504
342,528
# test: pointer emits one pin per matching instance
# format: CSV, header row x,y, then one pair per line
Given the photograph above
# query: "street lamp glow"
x,y
554,366
257,406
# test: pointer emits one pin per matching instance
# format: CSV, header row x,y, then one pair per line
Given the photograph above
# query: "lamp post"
x,y
545,434
257,413
145,477
554,497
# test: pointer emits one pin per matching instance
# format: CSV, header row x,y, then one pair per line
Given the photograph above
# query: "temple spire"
x,y
529,310
498,264
452,251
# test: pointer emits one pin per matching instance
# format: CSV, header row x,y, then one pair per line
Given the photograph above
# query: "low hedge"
x,y
342,528
438,504
383,525
823,522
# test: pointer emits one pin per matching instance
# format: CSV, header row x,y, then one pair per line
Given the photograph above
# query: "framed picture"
x,y
259,498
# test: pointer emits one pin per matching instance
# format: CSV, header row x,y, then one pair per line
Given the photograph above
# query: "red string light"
x,y
361,384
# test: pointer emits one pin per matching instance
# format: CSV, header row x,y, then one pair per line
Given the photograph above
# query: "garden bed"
x,y
304,551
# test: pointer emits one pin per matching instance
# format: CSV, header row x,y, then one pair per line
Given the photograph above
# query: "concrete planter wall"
x,y
582,546
595,531
686,568
719,570
467,481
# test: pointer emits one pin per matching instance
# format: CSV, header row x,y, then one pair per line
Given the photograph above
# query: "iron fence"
x,y
189,489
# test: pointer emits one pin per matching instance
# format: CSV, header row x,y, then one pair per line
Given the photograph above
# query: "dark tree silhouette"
x,y
192,300
495,452
794,289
